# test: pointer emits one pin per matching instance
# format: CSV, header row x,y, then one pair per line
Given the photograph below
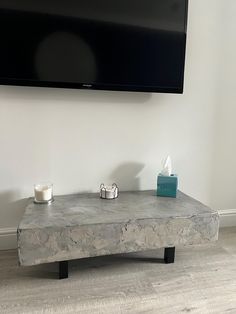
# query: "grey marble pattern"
x,y
83,225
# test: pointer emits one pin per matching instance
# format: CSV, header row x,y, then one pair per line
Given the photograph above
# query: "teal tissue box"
x,y
167,185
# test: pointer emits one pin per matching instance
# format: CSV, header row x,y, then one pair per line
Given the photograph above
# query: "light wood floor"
x,y
202,280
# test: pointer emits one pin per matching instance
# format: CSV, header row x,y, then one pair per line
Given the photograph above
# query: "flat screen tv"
x,y
131,45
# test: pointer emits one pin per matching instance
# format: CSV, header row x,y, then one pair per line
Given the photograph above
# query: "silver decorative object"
x,y
109,192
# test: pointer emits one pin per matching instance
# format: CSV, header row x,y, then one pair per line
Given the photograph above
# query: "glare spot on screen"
x,y
65,57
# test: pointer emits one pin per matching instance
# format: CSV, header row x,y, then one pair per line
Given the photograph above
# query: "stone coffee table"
x,y
83,225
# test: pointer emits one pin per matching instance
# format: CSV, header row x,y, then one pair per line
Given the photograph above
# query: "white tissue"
x,y
167,167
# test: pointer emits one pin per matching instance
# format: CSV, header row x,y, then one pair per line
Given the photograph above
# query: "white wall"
x,y
78,139
224,175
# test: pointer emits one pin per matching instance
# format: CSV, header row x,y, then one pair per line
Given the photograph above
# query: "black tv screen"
x,y
136,45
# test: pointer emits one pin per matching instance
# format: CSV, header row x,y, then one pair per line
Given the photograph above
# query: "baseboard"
x,y
8,238
227,218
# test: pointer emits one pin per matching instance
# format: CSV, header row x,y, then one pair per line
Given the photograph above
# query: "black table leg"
x,y
63,270
169,256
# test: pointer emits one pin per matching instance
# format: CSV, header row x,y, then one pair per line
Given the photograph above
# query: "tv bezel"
x,y
106,87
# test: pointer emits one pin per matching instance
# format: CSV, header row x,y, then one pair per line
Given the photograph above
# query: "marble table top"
x,y
87,209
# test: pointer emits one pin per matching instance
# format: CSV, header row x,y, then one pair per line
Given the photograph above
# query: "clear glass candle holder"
x,y
43,193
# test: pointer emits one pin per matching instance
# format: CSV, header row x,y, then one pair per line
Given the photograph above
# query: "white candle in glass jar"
x,y
43,192
108,193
